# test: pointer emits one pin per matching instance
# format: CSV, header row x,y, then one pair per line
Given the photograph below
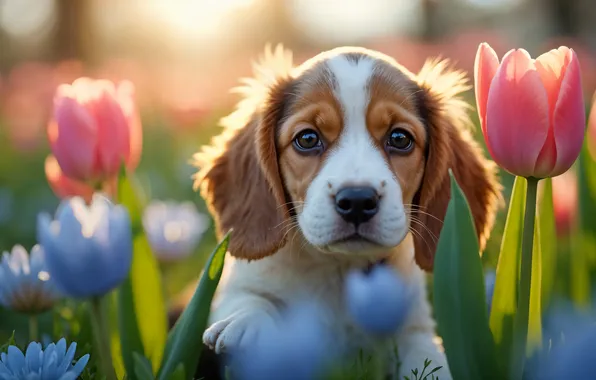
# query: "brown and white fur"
x,y
288,240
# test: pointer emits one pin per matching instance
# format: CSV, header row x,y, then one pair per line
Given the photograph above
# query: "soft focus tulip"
x,y
565,201
25,285
95,129
379,300
88,248
298,347
63,186
173,229
55,362
531,111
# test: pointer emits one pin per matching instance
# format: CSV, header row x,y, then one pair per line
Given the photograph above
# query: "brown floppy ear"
x,y
240,178
450,146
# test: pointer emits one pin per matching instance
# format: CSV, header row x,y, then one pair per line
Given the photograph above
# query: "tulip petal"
x,y
485,68
63,186
72,135
551,66
569,123
113,132
517,114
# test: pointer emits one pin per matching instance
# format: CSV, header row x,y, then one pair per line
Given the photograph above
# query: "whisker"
x,y
413,231
291,203
419,223
427,214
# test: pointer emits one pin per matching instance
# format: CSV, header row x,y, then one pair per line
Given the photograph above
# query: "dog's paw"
x,y
236,331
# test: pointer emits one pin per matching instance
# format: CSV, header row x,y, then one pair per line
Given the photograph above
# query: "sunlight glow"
x,y
191,18
342,21
23,18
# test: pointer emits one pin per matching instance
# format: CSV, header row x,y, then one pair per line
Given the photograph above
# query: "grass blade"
x,y
504,302
193,321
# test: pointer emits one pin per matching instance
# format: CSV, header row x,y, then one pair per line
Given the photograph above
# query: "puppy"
x,y
328,167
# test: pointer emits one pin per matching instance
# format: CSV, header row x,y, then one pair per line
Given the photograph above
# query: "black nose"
x,y
357,204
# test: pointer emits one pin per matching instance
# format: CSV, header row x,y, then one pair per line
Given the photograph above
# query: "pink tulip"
x,y
565,201
95,129
531,110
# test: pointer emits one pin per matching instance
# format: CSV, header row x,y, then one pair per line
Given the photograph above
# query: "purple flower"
x,y
88,248
174,229
378,301
296,348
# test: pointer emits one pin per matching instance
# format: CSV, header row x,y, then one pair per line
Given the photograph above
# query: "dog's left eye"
x,y
307,140
400,140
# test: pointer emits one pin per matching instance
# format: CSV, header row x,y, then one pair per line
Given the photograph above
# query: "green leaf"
x,y
10,342
534,341
459,297
180,349
504,302
142,312
581,259
142,367
110,302
580,269
548,241
179,373
587,191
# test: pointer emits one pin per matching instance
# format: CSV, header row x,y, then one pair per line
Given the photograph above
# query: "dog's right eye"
x,y
307,141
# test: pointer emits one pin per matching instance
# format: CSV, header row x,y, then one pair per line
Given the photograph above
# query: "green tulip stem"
x,y
102,336
525,282
33,328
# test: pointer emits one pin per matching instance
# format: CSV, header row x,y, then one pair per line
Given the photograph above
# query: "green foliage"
x,y
142,367
423,375
141,294
193,321
504,302
9,342
459,300
548,241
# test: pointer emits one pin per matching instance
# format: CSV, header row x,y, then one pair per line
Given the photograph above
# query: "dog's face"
x,y
352,152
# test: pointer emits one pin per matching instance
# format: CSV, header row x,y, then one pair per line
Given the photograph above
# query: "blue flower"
x,y
173,229
378,301
25,285
53,363
572,353
297,347
88,248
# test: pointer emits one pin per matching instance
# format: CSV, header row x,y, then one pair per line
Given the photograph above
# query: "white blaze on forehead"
x,y
356,160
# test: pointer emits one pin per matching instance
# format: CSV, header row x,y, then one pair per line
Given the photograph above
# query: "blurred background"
x,y
184,55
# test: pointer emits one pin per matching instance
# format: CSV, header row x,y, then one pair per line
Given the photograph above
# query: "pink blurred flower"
x,y
531,110
95,128
26,103
565,201
24,116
